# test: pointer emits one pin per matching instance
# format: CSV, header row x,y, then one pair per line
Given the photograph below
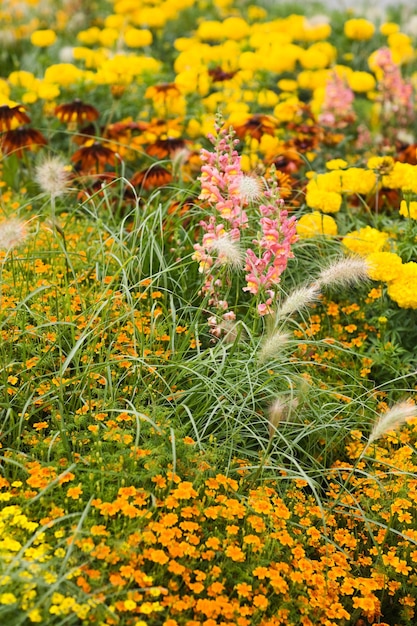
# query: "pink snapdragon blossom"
x,y
264,271
337,109
395,95
267,235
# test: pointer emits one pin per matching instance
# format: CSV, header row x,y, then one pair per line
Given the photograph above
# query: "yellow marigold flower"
x,y
43,38
408,209
89,37
267,98
35,616
209,30
314,224
384,266
136,38
359,29
287,84
130,605
403,290
388,28
358,180
108,37
312,59
7,598
65,74
286,110
401,47
365,241
400,176
308,79
336,164
361,81
21,78
383,165
326,201
235,28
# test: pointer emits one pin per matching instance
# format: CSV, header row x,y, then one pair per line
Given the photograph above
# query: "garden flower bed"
x,y
208,285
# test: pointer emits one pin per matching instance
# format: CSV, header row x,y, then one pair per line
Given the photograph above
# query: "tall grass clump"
x,y
208,295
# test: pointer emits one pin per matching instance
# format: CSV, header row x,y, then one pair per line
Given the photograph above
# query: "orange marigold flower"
x,y
261,572
158,556
244,590
261,602
159,481
75,492
235,553
213,543
185,491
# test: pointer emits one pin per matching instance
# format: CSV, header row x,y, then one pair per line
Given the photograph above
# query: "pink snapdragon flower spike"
x,y
395,94
337,109
248,229
274,244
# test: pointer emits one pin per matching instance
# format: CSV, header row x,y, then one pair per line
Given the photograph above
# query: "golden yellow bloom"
x,y
336,164
383,165
235,28
315,224
384,266
359,29
388,28
403,290
326,201
358,180
408,209
136,38
64,74
361,81
43,38
365,241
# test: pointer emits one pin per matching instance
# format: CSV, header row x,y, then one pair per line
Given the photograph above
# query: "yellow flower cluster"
x,y
403,289
366,240
314,224
409,209
385,266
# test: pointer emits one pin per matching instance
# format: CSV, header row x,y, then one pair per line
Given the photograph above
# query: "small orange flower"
x,y
235,553
74,492
261,602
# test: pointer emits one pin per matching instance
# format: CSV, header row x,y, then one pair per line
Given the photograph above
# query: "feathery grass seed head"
x,y
228,251
395,417
344,272
13,232
298,299
52,176
273,345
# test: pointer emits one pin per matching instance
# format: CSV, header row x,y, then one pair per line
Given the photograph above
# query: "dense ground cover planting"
x,y
208,294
